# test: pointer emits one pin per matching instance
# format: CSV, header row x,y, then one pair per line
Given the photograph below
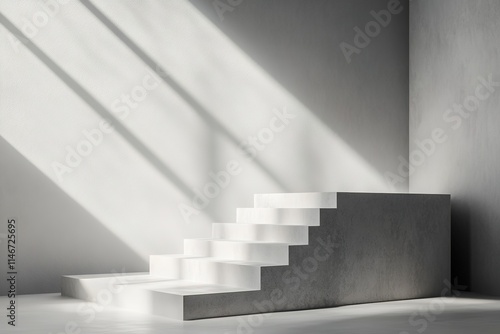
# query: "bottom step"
x,y
140,292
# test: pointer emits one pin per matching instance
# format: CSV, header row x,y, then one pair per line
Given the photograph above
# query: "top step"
x,y
296,200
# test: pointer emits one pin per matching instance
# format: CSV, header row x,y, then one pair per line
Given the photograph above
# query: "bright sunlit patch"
x,y
133,179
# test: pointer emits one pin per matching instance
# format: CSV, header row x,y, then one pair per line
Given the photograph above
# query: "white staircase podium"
x,y
292,252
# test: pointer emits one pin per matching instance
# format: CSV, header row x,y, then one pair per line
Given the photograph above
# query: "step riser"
x,y
269,253
204,271
304,217
293,235
298,200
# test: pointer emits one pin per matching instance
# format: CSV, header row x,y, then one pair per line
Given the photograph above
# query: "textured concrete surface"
x,y
465,314
373,247
453,43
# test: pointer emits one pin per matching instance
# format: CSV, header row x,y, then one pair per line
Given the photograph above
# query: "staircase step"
x,y
296,200
140,292
208,270
289,234
239,250
286,216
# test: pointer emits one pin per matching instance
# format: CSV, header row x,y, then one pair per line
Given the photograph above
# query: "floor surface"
x,y
53,314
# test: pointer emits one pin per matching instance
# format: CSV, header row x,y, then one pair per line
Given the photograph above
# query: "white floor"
x,y
53,314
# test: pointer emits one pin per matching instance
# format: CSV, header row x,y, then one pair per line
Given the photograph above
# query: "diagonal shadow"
x,y
181,91
308,63
98,108
59,235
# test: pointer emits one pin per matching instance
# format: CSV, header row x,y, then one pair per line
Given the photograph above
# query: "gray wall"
x,y
217,83
298,43
54,233
453,43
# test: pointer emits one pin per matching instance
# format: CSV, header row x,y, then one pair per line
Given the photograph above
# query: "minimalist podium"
x,y
293,252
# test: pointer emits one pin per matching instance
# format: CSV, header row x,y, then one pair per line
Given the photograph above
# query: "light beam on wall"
x,y
122,181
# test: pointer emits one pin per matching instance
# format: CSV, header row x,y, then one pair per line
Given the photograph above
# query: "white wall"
x,y
202,87
454,49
